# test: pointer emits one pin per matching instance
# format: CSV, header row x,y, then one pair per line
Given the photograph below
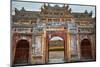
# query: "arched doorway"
x,y
56,49
86,50
22,52
63,36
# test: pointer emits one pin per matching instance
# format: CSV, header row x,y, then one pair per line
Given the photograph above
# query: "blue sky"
x,y
36,6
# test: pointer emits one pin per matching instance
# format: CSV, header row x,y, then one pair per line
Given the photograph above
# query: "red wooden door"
x,y
22,52
86,50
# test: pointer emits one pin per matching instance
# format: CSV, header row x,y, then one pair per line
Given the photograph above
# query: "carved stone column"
x,y
78,46
68,47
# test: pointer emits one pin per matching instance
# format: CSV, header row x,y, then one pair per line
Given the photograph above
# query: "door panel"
x,y
22,52
86,51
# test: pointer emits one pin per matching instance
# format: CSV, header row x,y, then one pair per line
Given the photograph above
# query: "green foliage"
x,y
57,49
